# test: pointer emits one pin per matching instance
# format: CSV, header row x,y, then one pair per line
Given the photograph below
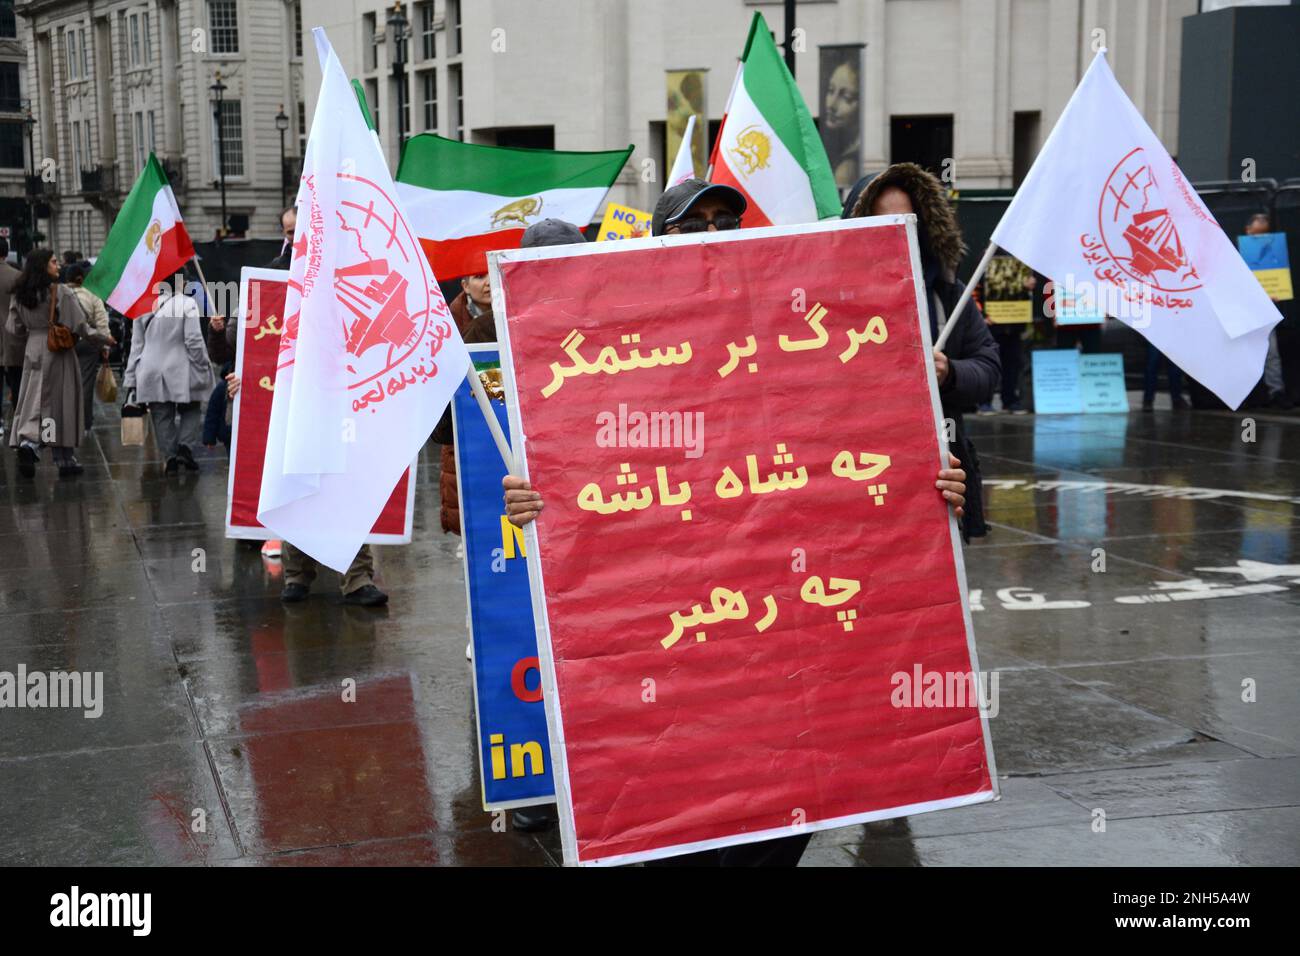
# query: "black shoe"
x,y
294,592
187,458
532,819
367,596
27,459
173,465
71,467
1179,403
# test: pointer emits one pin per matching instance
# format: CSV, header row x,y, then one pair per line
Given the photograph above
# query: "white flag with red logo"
x,y
369,356
1106,212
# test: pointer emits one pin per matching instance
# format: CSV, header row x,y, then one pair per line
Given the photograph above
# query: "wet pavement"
x,y
1120,695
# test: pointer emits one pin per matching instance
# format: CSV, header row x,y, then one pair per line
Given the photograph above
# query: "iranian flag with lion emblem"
x,y
147,245
768,147
466,200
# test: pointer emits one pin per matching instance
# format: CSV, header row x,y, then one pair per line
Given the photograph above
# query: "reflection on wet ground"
x,y
225,740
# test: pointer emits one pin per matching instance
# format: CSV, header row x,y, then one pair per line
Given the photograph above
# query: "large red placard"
x,y
726,667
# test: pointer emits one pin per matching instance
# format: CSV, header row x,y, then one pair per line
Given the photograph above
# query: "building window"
x,y
430,83
453,20
153,134
85,141
231,139
137,120
372,99
223,25
457,81
11,145
427,48
70,44
368,42
302,128
8,22
76,150
85,59
10,94
148,39
134,21
297,28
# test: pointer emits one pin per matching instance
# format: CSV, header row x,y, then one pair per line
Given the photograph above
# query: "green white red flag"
x,y
465,200
147,244
768,147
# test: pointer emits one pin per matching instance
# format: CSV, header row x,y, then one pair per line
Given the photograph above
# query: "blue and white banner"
x,y
514,753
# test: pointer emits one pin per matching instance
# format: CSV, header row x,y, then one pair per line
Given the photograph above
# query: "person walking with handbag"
x,y
91,353
169,372
48,319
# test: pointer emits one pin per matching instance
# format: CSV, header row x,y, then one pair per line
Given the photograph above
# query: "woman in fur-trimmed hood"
x,y
969,367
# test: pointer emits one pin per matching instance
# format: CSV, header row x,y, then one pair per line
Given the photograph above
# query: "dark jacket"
x,y
473,328
975,365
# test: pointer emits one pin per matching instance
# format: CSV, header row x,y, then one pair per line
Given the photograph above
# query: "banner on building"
x,y
623,222
841,75
514,749
1008,292
750,599
688,95
261,321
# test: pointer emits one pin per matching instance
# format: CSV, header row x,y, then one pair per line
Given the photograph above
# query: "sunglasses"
x,y
723,221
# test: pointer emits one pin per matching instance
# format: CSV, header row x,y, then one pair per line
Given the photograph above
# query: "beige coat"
x,y
50,395
11,350
96,314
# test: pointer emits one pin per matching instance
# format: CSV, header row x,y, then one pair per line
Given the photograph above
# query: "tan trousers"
x,y
300,568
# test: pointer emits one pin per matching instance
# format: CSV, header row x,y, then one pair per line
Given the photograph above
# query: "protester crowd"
x,y
179,367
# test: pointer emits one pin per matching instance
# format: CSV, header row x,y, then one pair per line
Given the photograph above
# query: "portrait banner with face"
x,y
1008,292
750,599
687,97
840,117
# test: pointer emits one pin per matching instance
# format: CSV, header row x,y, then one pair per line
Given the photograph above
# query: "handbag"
x,y
106,384
58,338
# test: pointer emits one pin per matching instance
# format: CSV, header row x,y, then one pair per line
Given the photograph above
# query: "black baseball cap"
x,y
676,202
551,232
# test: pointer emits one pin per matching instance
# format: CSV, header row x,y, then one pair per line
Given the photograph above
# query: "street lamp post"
x,y
398,23
282,124
218,88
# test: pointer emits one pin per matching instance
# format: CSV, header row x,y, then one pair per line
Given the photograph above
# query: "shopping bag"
x,y
106,384
133,425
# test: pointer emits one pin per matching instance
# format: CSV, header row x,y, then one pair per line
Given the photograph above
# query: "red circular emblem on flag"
x,y
1138,231
381,279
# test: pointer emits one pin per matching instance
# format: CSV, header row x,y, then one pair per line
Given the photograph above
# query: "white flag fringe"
x,y
369,355
1106,213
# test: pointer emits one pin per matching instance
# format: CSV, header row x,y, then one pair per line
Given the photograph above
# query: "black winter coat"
x,y
975,368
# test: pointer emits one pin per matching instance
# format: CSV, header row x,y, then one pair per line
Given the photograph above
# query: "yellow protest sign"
x,y
623,222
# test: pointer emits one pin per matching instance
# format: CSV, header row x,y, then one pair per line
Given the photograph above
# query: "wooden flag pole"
x,y
494,426
965,295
